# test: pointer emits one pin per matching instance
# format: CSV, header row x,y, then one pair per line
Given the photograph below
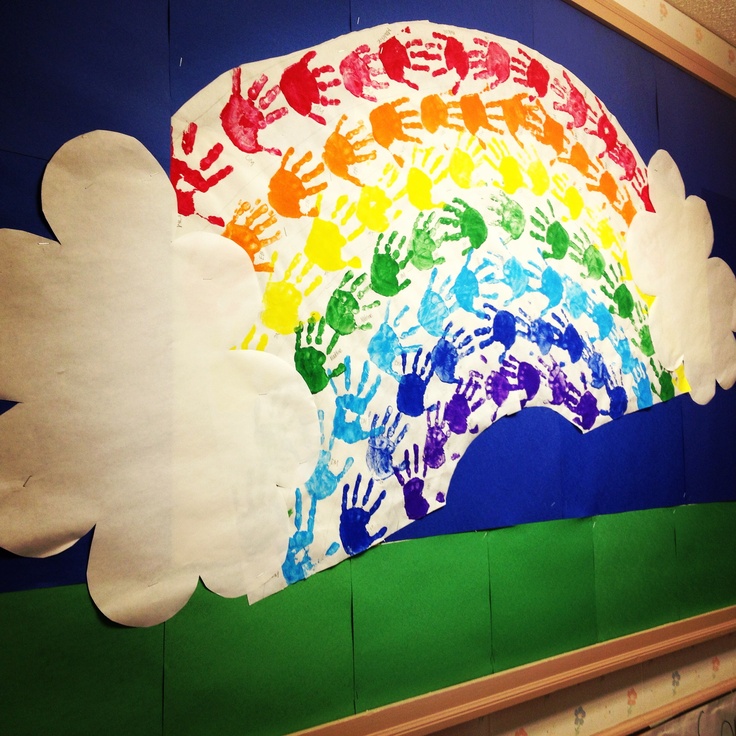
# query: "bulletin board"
x,y
467,587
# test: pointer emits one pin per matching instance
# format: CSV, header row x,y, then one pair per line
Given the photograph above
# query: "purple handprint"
x,y
415,505
459,408
354,519
438,433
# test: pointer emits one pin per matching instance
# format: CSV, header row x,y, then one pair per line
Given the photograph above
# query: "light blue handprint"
x,y
385,346
350,404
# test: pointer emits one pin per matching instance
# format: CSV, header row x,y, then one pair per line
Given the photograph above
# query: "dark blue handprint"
x,y
502,329
447,352
413,385
354,519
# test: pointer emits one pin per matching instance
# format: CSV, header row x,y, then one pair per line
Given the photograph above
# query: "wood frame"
x,y
448,707
636,28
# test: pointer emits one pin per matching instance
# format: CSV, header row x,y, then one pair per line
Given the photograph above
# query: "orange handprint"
x,y
248,234
341,151
287,189
389,124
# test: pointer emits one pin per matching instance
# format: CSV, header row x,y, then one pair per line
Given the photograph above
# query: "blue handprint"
x,y
446,353
323,482
435,306
413,385
298,562
385,346
347,404
354,519
503,328
466,288
382,443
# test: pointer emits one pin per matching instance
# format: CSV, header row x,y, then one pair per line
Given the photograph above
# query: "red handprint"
x,y
533,74
302,89
616,151
248,234
573,101
287,189
398,58
358,75
491,61
341,151
181,173
456,59
641,187
242,118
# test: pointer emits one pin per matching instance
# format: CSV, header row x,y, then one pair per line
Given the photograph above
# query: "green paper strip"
x,y
421,617
542,590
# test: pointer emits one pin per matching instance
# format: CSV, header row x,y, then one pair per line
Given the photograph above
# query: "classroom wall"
x,y
614,546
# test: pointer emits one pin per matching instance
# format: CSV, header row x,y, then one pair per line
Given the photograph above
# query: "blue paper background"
x,y
66,69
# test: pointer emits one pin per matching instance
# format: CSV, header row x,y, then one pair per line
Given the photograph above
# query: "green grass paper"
x,y
66,670
636,571
421,617
280,665
706,556
542,590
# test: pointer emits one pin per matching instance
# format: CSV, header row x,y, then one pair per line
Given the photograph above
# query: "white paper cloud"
x,y
134,414
693,316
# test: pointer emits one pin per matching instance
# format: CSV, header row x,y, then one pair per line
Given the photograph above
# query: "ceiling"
x,y
718,17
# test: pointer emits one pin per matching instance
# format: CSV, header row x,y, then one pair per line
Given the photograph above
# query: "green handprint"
x,y
424,244
619,295
344,305
550,232
309,361
666,387
587,254
511,217
386,266
469,223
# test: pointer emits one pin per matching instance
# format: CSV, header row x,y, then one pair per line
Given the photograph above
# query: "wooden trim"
x,y
432,712
670,710
633,26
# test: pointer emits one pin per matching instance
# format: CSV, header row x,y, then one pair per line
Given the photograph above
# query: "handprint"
x,y
456,58
351,406
587,254
514,375
568,195
462,404
386,265
309,359
341,151
182,173
503,328
618,292
287,189
415,505
354,519
511,218
573,101
413,384
425,242
323,482
490,61
500,158
531,72
302,87
579,159
616,151
438,433
397,59
358,76
385,346
475,115
389,124
344,305
436,113
242,119
448,351
298,561
468,221
550,232
382,444
248,234
466,287
324,245
282,298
